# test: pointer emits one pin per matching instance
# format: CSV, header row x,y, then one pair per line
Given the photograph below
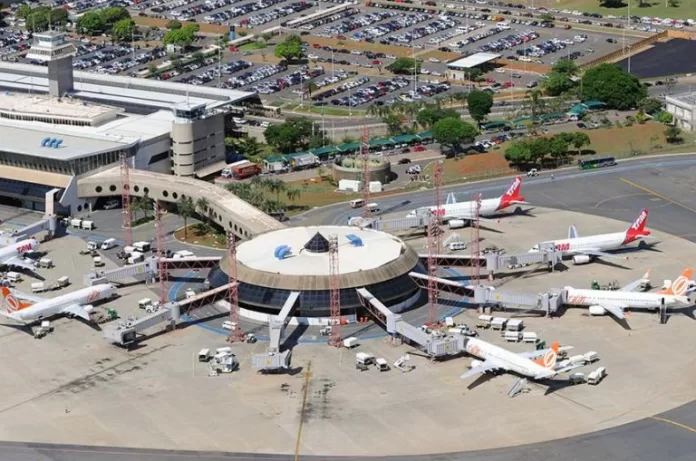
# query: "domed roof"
x,y
317,244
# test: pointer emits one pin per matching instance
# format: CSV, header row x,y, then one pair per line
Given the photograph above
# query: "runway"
x,y
665,186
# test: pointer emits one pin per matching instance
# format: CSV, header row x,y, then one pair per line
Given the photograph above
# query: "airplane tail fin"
x,y
637,229
549,359
512,194
680,285
10,301
573,232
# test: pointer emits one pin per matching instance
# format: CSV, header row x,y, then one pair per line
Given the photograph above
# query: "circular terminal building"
x,y
297,259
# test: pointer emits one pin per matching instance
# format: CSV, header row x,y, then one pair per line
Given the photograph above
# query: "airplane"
x,y
601,302
13,255
537,365
489,207
29,309
584,249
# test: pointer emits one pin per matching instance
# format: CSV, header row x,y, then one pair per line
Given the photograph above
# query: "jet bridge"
x,y
119,274
546,303
435,347
442,284
499,262
274,359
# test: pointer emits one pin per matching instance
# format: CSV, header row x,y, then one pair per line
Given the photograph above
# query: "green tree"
x,y
558,147
479,104
665,117
673,135
612,85
290,49
673,3
112,15
90,23
293,193
474,74
393,123
546,17
453,132
294,133
23,12
650,105
612,3
202,206
310,86
404,66
181,37
185,208
518,153
580,140
536,101
430,114
153,70
266,37
276,186
123,30
173,24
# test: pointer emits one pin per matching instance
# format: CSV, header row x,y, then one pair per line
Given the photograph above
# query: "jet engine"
x,y
88,308
475,363
597,310
581,259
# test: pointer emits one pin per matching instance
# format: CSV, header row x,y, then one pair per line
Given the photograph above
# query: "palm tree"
x,y
185,208
535,100
203,205
276,186
147,35
147,204
293,194
309,87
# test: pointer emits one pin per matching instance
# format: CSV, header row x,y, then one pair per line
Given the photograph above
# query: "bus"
x,y
596,162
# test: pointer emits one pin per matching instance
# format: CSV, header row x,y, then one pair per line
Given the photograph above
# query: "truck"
x,y
382,364
245,171
45,263
183,254
364,358
90,249
591,357
484,321
98,261
87,225
596,376
512,336
142,247
350,343
136,257
75,223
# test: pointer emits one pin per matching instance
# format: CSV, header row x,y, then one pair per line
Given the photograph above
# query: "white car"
x,y
228,325
111,204
434,60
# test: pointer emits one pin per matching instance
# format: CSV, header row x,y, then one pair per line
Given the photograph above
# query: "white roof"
x,y
378,248
473,60
34,104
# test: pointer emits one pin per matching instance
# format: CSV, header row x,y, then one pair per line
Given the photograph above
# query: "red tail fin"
x,y
637,229
512,194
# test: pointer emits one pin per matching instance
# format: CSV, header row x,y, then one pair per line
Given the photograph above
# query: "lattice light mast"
x,y
237,334
161,265
334,294
434,245
476,240
125,201
365,156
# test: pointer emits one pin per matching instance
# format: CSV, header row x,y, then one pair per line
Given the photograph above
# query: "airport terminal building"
x,y
59,126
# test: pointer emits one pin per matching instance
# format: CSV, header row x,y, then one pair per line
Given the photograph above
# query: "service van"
x,y
142,247
204,355
144,303
183,254
136,257
456,246
596,376
373,207
45,263
512,336
13,277
75,222
108,244
357,203
87,225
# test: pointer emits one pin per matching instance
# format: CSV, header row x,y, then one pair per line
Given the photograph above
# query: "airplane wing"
x,y
572,366
487,366
26,297
542,352
617,310
10,316
641,282
592,252
21,263
76,310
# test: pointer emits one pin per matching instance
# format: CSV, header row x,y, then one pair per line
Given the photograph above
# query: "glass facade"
x,y
316,303
67,167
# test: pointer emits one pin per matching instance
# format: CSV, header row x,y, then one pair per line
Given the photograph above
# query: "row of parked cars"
x,y
294,78
546,47
441,24
333,18
276,13
359,22
12,40
341,89
510,41
477,37
370,93
255,76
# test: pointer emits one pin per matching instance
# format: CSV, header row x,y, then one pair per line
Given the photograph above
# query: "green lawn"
x,y
686,10
252,46
324,110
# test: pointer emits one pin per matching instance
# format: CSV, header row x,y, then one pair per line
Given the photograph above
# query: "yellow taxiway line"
x,y
657,194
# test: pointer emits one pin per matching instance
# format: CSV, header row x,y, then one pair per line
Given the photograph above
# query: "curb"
x,y
543,173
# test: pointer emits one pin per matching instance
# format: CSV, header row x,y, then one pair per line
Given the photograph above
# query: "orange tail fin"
x,y
549,359
680,286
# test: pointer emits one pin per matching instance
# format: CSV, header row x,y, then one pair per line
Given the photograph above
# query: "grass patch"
x,y
201,234
251,46
657,8
325,110
472,167
141,221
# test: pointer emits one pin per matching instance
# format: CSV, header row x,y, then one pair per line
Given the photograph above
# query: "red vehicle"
x,y
233,48
316,45
490,80
508,84
419,149
245,171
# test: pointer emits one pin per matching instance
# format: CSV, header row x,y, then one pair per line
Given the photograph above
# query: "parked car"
x,y
404,161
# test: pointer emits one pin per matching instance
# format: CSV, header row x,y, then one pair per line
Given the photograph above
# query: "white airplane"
x,y
537,365
489,206
28,309
13,255
583,249
601,302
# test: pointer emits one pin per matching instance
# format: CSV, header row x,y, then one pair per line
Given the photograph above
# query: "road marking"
x,y
674,423
657,194
602,202
308,376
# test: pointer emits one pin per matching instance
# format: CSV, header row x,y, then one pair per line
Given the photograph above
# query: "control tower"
x,y
53,48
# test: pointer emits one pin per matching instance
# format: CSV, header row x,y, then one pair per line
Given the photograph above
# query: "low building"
x,y
682,106
459,69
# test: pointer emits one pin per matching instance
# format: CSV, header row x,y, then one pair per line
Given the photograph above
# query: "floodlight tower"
x,y
237,335
434,245
335,294
365,156
161,266
125,201
475,240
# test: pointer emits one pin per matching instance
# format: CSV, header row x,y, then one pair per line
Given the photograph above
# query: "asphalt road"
x,y
664,186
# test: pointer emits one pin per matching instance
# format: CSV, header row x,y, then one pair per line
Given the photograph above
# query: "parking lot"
x,y
347,52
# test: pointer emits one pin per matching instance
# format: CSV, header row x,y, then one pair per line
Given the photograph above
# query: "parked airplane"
x,y
489,207
28,309
13,255
583,249
537,365
614,302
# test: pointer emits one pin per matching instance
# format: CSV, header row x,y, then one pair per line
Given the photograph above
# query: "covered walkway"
x,y
226,209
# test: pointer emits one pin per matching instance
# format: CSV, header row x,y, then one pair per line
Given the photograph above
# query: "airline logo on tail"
x,y
679,286
13,304
637,229
512,194
549,359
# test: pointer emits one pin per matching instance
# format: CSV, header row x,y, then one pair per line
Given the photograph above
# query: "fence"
x,y
625,52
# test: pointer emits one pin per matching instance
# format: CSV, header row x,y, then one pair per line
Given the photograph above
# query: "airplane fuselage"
x,y
53,306
515,363
584,297
464,210
601,242
18,249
